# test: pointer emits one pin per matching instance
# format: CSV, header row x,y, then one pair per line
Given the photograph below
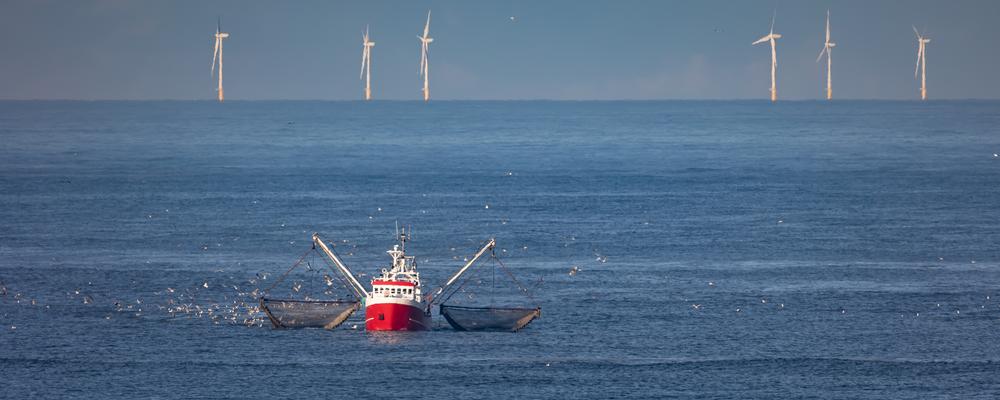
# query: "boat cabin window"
x,y
393,291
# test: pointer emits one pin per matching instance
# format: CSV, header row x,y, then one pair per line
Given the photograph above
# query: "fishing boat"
x,y
397,302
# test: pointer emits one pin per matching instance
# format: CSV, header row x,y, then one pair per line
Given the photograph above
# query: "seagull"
x,y
513,19
696,306
573,271
205,285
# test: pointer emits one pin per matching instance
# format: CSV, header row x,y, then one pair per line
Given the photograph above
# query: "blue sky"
x,y
577,50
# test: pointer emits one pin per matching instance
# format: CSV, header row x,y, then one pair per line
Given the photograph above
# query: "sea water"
x,y
678,249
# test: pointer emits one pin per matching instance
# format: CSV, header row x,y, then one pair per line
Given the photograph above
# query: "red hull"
x,y
395,317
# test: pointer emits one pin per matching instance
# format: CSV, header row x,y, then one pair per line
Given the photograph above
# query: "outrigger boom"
x,y
458,274
360,290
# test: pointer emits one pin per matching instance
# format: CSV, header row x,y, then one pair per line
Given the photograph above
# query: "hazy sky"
x,y
657,49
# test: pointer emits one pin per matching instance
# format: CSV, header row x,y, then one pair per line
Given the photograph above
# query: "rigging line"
x,y
459,288
285,275
504,267
339,275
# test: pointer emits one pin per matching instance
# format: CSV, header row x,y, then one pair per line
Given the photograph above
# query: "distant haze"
x,y
564,50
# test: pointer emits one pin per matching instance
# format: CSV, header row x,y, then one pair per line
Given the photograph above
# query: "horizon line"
x,y
800,100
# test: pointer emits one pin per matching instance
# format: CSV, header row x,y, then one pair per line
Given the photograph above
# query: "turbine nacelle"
x,y
222,35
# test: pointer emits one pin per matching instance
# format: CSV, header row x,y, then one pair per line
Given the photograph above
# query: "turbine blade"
x,y
920,53
762,40
773,15
916,31
215,55
820,57
427,27
423,61
828,26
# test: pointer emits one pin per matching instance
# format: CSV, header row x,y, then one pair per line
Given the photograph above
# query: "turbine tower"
x,y
366,64
219,35
828,49
771,37
921,63
424,67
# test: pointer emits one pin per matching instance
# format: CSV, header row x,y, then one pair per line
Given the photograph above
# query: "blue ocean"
x,y
677,249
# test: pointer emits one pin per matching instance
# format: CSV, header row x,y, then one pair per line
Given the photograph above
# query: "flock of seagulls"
x,y
234,301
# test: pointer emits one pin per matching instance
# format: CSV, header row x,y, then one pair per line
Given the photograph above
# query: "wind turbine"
x,y
424,67
771,37
828,49
921,63
366,64
219,35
